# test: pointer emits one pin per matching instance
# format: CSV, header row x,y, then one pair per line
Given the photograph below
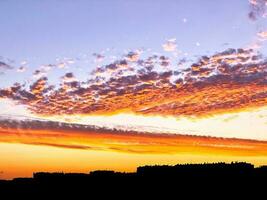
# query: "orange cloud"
x,y
229,81
93,138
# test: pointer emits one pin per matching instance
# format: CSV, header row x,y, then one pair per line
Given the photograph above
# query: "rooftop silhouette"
x,y
181,175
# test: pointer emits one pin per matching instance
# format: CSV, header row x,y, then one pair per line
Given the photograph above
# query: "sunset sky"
x,y
89,85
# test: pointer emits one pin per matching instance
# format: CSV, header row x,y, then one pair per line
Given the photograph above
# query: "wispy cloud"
x,y
170,45
262,35
4,66
257,9
73,136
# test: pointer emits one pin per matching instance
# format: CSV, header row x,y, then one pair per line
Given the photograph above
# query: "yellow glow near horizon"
x,y
247,124
250,124
20,160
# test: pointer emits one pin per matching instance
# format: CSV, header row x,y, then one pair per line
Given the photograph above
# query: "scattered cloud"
x,y
262,35
98,57
257,9
24,62
133,56
212,85
170,45
21,69
4,66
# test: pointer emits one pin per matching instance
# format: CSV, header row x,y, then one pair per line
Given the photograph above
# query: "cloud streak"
x,y
64,135
4,66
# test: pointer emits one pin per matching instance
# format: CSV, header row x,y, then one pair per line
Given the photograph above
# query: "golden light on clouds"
x,y
176,94
143,108
249,124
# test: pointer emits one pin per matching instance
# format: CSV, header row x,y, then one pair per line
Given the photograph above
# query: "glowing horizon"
x,y
178,92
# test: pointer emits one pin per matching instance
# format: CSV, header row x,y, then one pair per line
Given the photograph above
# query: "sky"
x,y
40,32
143,82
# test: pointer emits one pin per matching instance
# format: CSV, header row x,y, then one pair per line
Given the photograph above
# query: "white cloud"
x,y
170,45
21,69
11,108
262,35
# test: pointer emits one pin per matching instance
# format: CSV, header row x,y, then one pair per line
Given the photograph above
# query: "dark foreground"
x,y
190,179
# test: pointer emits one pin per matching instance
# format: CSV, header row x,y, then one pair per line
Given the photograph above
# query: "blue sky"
x,y
42,31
